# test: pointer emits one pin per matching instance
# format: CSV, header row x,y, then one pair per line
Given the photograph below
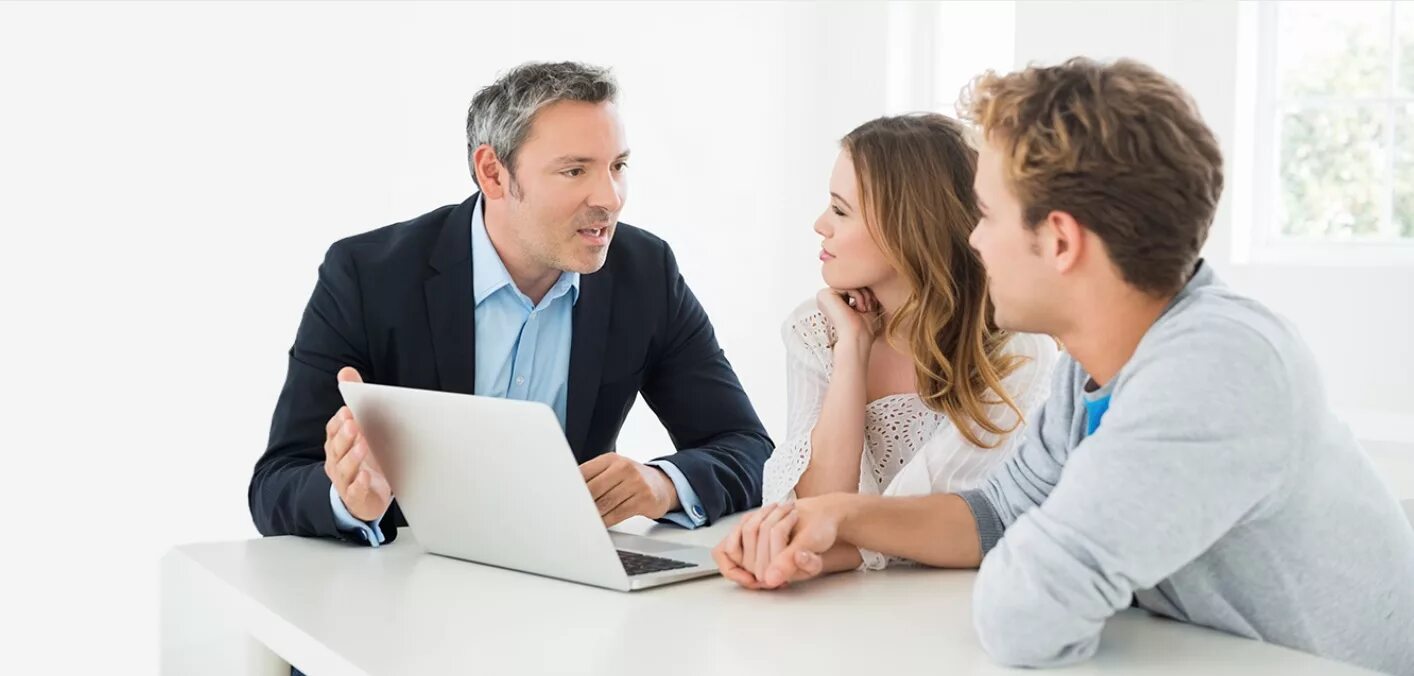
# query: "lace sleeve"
x,y
807,339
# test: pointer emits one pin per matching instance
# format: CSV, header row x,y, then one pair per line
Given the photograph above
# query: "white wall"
x,y
173,173
1358,320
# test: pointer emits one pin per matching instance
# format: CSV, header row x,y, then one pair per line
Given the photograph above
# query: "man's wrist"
x,y
670,490
848,508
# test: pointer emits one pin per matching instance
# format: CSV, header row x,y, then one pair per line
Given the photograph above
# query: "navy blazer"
x,y
397,304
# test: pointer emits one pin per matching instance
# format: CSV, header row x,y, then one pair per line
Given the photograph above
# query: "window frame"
x,y
1263,242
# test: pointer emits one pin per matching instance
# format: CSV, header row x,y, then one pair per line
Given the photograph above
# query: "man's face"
x,y
1021,283
569,185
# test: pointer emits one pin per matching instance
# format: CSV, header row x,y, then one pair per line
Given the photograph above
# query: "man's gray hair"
x,y
501,113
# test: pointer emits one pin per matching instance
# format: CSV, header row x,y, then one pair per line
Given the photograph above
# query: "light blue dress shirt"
x,y
523,352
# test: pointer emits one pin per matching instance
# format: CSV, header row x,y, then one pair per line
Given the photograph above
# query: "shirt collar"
x,y
489,273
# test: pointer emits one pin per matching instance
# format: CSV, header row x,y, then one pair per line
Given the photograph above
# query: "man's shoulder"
x,y
634,246
399,243
636,236
1214,343
1225,324
639,260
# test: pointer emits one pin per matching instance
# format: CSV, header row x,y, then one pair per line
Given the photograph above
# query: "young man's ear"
x,y
1064,240
491,175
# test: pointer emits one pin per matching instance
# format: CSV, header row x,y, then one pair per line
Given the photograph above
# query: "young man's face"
x,y
569,185
1022,285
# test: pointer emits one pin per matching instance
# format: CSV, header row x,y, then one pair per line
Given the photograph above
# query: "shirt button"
x,y
520,380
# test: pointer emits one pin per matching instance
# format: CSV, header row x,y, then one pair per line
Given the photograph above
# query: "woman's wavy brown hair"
x,y
915,181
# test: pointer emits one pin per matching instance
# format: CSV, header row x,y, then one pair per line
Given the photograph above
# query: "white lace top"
x,y
909,449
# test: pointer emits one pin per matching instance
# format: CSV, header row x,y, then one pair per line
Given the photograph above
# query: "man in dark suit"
x,y
516,293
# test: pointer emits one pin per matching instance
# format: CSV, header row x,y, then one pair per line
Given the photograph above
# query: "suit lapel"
x,y
590,336
451,303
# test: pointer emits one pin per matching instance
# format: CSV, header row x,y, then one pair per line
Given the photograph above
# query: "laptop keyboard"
x,y
642,564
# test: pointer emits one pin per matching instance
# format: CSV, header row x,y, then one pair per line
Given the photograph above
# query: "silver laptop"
x,y
494,481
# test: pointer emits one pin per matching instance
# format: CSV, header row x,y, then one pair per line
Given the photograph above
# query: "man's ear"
x,y
491,175
1065,240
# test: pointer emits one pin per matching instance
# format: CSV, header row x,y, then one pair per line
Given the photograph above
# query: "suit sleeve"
x,y
692,388
289,493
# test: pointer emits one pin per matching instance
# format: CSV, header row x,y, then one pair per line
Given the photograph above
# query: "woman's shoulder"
x,y
1041,354
1035,346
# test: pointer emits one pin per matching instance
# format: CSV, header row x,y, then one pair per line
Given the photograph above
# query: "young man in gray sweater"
x,y
1187,461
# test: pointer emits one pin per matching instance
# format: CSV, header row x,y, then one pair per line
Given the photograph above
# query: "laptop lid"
x,y
487,480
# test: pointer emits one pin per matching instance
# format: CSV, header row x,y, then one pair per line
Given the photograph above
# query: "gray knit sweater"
x,y
1219,489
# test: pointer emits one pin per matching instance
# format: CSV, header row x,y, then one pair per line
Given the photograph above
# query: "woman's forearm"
x,y
837,440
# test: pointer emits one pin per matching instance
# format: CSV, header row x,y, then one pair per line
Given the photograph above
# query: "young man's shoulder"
x,y
1214,345
1216,317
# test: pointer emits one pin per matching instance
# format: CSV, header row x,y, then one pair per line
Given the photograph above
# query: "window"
x,y
937,48
1334,132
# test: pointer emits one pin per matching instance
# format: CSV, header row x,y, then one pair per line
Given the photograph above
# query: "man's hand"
x,y
351,465
791,542
622,488
746,552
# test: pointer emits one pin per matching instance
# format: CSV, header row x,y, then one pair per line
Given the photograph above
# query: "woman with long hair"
x,y
899,381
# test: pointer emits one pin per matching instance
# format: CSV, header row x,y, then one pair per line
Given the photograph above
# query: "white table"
x,y
330,608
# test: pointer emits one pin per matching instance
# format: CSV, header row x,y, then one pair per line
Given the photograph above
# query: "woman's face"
x,y
849,256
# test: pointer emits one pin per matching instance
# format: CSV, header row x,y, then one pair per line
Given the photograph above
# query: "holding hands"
x,y
787,542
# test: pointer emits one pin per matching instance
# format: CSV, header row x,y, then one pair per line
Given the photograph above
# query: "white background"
x,y
170,176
